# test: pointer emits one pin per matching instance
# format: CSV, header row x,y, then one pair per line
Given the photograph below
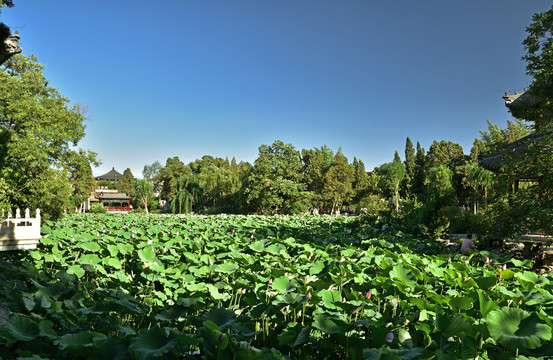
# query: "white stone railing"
x,y
18,233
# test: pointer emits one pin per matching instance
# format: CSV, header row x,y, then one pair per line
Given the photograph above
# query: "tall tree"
x,y
419,172
409,163
38,135
338,182
152,173
392,174
143,189
276,180
169,175
126,183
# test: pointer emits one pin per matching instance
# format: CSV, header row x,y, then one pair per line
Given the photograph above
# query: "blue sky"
x,y
220,77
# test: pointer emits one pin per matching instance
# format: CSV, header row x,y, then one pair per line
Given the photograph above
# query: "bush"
x,y
98,209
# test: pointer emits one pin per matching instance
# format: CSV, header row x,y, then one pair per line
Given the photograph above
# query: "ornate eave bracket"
x,y
10,47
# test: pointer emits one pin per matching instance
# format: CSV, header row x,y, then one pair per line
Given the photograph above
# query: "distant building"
x,y
112,175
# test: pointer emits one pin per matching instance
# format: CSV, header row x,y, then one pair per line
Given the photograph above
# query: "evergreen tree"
x,y
338,182
126,183
419,172
409,166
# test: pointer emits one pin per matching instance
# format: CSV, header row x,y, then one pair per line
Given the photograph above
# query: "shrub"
x,y
98,209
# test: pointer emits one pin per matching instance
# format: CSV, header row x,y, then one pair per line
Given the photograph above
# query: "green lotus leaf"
x,y
486,282
528,279
113,262
316,267
387,353
46,329
258,246
77,270
276,249
404,275
90,246
283,284
78,341
226,267
21,328
153,343
538,296
461,303
451,326
515,328
486,305
90,259
330,324
222,317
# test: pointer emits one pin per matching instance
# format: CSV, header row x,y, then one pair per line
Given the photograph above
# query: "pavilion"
x,y
115,202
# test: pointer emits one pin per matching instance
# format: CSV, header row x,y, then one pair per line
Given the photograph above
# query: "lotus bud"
x,y
504,266
488,260
368,295
309,295
390,337
270,281
221,338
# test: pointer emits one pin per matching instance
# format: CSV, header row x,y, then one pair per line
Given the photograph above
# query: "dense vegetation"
x,y
255,287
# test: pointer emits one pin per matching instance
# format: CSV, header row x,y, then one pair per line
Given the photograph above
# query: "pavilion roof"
x,y
111,196
495,161
112,175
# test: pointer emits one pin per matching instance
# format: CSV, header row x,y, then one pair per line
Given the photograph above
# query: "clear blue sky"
x,y
219,77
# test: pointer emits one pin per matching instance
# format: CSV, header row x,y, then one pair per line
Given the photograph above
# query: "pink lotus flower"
x,y
487,261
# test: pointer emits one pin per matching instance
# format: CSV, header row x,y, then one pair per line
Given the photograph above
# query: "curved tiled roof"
x,y
112,175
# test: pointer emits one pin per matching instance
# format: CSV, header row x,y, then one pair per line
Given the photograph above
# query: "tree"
x,y
392,174
338,182
126,183
419,172
173,170
38,135
152,173
275,183
316,163
409,164
144,190
479,178
188,193
495,139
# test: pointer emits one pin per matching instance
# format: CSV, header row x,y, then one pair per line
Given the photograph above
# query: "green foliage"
x,y
275,184
143,190
125,185
39,166
392,175
338,182
98,208
130,286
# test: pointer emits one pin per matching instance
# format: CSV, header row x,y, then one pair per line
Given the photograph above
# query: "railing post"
x,y
38,215
17,213
27,213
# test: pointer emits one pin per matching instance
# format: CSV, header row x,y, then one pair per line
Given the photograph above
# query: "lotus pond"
x,y
253,287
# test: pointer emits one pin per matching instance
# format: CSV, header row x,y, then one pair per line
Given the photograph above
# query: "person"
x,y
467,244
